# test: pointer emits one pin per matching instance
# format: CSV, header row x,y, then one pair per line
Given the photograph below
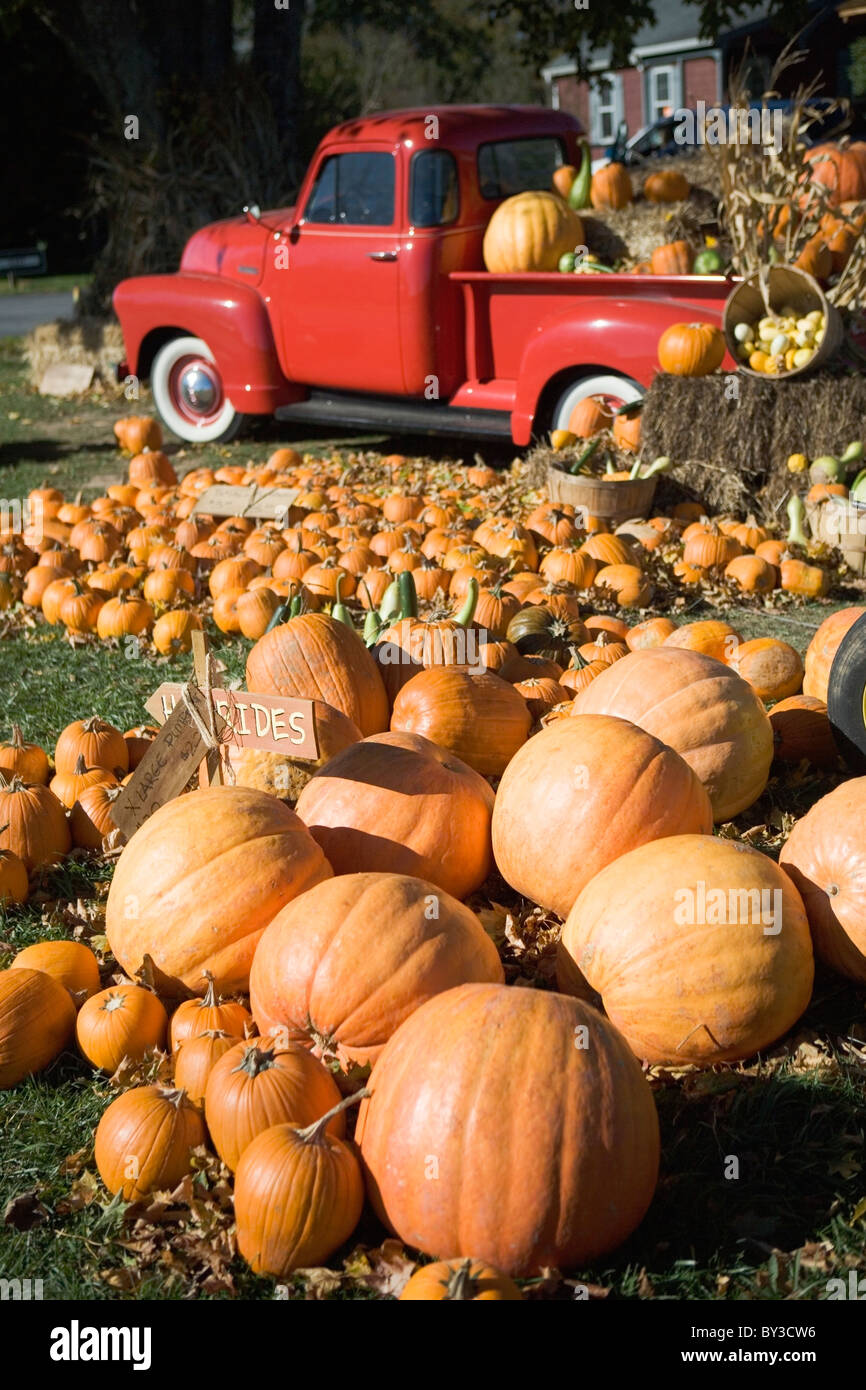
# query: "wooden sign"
x,y
272,723
266,503
164,771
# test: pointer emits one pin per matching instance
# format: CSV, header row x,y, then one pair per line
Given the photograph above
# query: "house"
x,y
673,67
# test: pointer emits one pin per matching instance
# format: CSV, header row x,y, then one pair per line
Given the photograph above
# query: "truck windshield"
x,y
506,167
354,190
433,195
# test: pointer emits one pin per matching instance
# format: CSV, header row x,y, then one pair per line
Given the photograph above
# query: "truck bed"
x,y
506,314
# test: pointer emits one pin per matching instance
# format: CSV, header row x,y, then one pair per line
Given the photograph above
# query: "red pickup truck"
x,y
367,303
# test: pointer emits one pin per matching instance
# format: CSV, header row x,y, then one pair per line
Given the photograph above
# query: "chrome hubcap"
x,y
198,390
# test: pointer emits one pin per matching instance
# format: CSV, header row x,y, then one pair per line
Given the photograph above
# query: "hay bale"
x,y
730,451
92,342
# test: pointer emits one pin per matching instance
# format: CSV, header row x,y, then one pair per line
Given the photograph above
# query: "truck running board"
x,y
397,414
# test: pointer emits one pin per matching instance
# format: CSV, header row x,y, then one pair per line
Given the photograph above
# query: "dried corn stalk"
x,y
770,207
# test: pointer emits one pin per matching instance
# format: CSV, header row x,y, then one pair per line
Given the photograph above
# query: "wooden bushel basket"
x,y
841,523
614,501
785,285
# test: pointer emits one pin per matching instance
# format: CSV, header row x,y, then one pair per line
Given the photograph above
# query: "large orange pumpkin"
x,y
299,1194
826,859
521,1171
823,648
579,794
313,657
842,171
668,186
802,730
400,804
37,1017
198,883
611,187
125,1021
701,708
137,432
145,1140
711,637
342,968
673,258
699,948
70,963
25,760
589,416
470,712
33,824
460,1281
773,668
208,1014
258,1084
530,232
691,349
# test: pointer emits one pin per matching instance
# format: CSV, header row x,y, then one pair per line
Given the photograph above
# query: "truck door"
x,y
339,305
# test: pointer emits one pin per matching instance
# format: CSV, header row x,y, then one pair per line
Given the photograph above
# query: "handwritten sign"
x,y
272,723
266,503
163,772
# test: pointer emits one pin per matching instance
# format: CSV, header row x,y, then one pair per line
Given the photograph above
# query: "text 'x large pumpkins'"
x,y
512,1126
699,949
708,713
198,883
582,792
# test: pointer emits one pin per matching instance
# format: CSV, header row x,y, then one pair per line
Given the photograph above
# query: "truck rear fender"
x,y
231,319
598,336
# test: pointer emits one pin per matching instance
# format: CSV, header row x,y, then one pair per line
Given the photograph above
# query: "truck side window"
x,y
506,167
354,190
434,199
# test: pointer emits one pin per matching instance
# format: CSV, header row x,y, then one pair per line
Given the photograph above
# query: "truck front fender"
x,y
232,319
598,334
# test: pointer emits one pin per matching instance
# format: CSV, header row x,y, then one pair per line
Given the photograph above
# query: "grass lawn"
x,y
44,284
761,1194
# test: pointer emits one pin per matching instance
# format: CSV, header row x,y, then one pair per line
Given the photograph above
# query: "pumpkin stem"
x,y
80,766
209,999
313,1133
460,1285
256,1059
174,1095
17,738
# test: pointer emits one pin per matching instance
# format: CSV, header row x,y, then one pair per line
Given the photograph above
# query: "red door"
x,y
339,304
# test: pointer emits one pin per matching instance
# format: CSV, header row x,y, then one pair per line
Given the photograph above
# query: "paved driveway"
x,y
21,312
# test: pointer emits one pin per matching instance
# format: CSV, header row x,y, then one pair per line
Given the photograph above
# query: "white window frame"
x,y
596,137
655,111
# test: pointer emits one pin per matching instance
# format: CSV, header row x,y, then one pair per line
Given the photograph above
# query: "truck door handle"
x,y
382,255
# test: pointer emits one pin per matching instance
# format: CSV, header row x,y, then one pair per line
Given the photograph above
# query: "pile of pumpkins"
x,y
137,564
45,811
299,962
541,230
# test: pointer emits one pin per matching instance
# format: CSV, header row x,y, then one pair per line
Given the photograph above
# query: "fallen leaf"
x,y
25,1211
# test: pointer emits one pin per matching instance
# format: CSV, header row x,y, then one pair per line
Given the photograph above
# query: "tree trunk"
x,y
276,61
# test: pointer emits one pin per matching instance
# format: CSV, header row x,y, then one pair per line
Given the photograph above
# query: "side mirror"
x,y
253,212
